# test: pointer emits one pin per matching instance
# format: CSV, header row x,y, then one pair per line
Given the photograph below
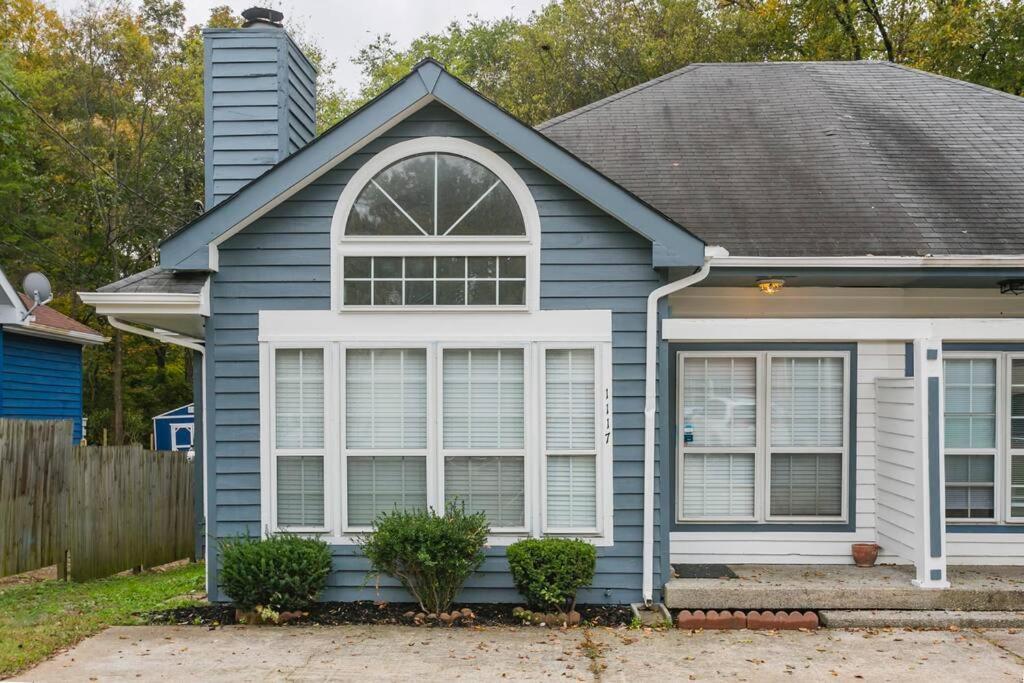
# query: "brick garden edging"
x,y
725,619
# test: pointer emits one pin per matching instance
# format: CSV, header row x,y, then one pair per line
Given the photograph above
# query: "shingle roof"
x,y
816,158
48,317
158,280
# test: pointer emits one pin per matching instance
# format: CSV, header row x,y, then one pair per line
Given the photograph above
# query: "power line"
x,y
81,153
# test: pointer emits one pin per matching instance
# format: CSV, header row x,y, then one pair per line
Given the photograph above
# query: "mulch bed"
x,y
369,612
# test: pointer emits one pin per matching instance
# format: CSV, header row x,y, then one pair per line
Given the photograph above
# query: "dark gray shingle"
x,y
157,280
816,158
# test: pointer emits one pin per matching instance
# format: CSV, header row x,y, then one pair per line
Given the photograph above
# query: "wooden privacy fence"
x,y
110,507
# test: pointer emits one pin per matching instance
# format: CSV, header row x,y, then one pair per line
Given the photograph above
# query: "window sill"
x,y
493,541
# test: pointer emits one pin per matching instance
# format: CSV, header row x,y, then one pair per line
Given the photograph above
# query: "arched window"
x,y
435,223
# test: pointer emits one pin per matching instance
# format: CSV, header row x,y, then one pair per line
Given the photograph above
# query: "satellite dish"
x,y
37,287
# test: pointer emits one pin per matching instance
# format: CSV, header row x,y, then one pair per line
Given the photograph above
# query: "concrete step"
x,y
922,619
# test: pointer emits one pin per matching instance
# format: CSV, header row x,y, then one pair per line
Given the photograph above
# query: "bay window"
x,y
984,436
513,430
763,436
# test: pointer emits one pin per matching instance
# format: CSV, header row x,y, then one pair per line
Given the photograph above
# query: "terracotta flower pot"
x,y
865,554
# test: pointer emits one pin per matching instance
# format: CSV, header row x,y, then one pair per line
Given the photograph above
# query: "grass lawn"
x,y
37,619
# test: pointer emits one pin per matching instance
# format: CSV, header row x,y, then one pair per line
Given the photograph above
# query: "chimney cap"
x,y
262,15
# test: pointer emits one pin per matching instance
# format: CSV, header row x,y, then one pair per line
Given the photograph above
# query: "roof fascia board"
x,y
671,245
877,262
47,332
191,248
145,303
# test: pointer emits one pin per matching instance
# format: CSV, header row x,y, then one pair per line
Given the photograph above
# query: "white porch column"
x,y
930,559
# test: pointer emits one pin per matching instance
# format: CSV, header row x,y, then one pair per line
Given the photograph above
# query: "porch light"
x,y
770,286
1011,287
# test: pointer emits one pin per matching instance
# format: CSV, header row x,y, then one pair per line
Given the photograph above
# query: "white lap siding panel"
x,y
777,546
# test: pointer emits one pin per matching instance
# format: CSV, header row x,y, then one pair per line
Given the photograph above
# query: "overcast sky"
x,y
342,27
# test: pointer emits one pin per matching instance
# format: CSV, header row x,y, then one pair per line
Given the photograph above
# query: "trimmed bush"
x,y
549,571
280,573
431,555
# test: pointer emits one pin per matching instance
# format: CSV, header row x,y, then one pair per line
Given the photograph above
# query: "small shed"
x,y
173,430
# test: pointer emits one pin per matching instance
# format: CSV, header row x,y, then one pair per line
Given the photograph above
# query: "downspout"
x,y
651,406
188,343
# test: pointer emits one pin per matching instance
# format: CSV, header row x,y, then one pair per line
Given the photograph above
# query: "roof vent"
x,y
255,16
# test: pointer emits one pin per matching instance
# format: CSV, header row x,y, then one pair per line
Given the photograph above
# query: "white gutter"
x,y
195,345
651,407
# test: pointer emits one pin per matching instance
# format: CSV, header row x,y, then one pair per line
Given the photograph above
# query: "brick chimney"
x,y
259,98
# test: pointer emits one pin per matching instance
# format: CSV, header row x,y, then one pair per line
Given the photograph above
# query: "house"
x,y
743,313
41,360
174,429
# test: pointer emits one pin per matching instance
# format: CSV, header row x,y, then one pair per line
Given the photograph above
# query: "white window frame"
x,y
533,332
346,452
175,428
527,245
763,447
268,437
1002,452
602,439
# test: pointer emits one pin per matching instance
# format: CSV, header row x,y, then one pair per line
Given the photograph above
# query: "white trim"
x,y
34,329
842,329
172,410
398,245
276,200
148,303
532,332
868,261
8,289
178,427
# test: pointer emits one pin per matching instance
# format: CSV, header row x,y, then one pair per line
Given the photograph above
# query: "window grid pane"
x,y
492,485
970,486
718,485
1017,404
299,398
807,402
806,485
386,398
385,484
300,491
1017,486
569,399
483,398
572,491
438,280
970,402
719,401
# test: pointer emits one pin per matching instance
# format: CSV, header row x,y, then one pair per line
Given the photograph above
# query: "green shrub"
x,y
431,555
281,572
549,571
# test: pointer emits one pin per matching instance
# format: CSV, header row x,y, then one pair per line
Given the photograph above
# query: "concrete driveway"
x,y
389,653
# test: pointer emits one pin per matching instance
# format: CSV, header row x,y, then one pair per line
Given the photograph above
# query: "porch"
x,y
846,587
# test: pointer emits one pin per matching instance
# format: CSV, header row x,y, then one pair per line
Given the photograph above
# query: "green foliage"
x,y
281,573
431,555
549,571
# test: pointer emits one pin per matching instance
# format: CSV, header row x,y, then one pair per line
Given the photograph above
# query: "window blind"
x,y
569,399
483,398
970,399
384,484
1017,486
1017,403
300,491
718,485
572,491
492,485
806,484
386,398
299,398
719,401
807,402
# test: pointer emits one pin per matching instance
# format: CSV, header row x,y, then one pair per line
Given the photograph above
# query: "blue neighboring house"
x,y
742,313
173,430
41,360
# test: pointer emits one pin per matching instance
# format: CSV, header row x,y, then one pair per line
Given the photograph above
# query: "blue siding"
x,y
41,379
282,261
